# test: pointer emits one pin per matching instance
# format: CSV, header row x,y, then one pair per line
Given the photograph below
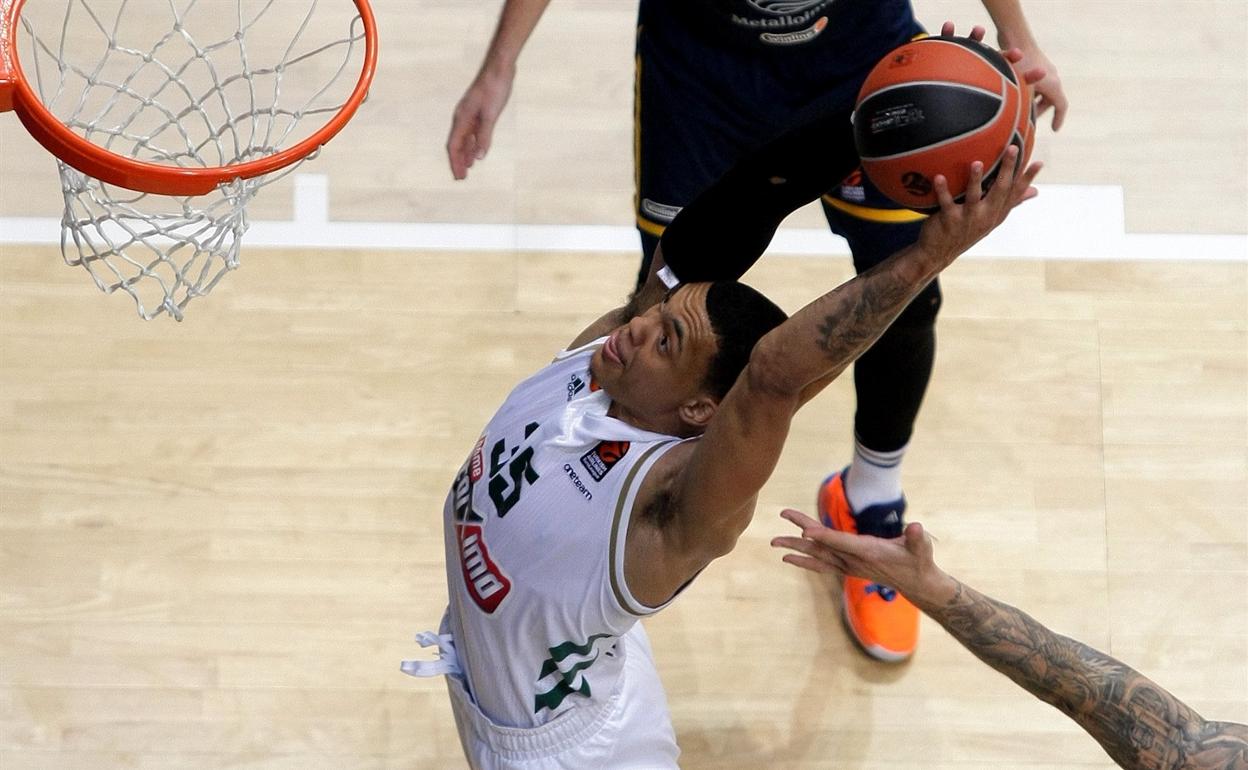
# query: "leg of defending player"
x,y
890,380
693,119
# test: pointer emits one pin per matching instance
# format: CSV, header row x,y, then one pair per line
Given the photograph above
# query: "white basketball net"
x,y
189,83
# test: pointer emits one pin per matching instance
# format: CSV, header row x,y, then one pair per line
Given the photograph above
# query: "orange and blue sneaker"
x,y
883,622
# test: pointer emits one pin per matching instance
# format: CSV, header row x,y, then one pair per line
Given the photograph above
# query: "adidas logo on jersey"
x,y
575,385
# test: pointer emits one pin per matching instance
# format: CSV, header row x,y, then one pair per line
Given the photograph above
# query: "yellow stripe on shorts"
x,y
892,216
650,228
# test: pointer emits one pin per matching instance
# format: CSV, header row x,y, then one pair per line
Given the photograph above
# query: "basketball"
x,y
934,105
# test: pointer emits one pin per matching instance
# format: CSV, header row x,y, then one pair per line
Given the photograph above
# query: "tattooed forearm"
x,y
1139,724
862,311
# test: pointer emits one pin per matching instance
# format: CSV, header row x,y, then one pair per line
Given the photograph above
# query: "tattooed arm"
x,y
1138,723
847,321
707,488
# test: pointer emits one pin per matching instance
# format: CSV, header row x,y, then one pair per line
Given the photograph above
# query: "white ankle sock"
x,y
873,477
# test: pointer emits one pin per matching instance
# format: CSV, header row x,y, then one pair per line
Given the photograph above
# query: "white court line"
x,y
1067,222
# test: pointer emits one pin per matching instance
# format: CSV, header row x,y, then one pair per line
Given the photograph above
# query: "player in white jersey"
x,y
607,481
540,612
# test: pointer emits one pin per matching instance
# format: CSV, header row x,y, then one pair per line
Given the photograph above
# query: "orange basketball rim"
x,y
17,95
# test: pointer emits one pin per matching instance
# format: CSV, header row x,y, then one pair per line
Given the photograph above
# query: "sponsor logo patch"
x,y
780,7
602,458
575,385
853,194
461,489
780,14
576,481
795,38
662,212
485,580
476,465
852,189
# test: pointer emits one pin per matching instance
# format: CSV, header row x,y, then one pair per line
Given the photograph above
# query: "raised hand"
x,y
904,563
1138,723
957,227
1048,87
1036,69
977,31
472,126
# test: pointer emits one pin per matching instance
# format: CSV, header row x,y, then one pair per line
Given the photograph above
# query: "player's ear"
x,y
697,412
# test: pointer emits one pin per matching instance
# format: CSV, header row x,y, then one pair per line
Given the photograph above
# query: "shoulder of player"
x,y
669,544
657,562
654,505
667,469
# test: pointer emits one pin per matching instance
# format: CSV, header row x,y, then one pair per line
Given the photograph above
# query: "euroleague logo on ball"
x,y
916,183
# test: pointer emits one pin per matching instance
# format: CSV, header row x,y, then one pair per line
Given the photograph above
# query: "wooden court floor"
x,y
217,538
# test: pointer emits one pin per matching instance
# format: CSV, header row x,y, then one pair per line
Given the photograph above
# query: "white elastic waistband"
x,y
569,730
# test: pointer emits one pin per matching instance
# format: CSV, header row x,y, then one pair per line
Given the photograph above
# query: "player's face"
x,y
658,361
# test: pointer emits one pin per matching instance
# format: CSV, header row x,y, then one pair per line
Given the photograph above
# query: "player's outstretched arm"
x,y
712,497
1137,722
472,123
725,230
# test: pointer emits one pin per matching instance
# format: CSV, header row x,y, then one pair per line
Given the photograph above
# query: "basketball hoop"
x,y
166,117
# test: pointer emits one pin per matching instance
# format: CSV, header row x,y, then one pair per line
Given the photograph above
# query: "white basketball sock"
x,y
873,477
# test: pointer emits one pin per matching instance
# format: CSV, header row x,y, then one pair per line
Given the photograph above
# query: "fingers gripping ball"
x,y
933,106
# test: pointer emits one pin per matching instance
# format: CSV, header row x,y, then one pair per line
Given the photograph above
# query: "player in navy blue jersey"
x,y
717,79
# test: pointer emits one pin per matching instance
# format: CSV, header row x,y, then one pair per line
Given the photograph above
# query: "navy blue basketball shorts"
x,y
699,106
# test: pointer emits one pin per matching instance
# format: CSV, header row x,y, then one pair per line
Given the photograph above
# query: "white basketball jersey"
x,y
535,526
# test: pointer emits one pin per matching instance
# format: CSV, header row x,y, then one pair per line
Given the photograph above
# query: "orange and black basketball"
x,y
934,105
